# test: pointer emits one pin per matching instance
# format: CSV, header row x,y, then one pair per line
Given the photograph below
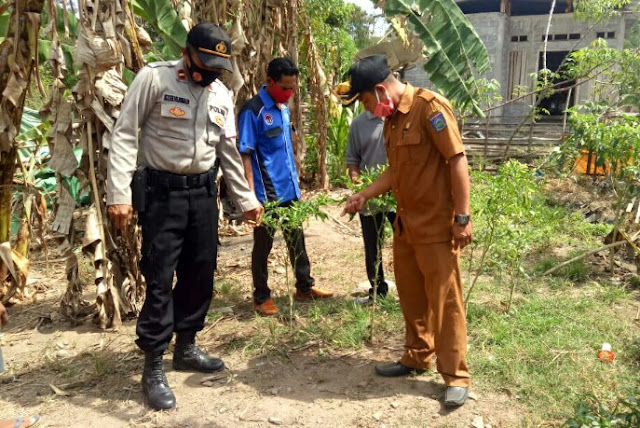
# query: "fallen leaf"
x,y
58,391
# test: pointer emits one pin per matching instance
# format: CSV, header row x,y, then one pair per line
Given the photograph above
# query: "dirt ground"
x,y
79,376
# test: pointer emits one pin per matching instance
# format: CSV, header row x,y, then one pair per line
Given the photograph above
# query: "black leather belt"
x,y
179,181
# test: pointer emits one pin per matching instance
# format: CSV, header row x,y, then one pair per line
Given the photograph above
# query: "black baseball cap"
x,y
212,45
363,76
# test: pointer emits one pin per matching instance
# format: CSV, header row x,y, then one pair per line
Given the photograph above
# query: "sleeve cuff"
x,y
119,199
248,203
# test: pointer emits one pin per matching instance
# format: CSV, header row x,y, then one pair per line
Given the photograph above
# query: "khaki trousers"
x,y
430,291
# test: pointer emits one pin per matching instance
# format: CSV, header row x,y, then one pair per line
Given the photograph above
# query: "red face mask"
x,y
278,94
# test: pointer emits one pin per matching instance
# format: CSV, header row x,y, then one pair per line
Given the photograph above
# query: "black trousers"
x,y
262,244
179,234
373,235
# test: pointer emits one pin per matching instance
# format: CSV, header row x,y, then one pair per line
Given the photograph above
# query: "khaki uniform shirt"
x,y
169,124
420,137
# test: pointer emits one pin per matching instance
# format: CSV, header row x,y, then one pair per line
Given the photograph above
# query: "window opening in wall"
x,y
557,102
574,36
519,38
611,35
560,37
523,38
600,35
517,73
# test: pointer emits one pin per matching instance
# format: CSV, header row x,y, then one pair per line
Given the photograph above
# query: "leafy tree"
x,y
288,219
340,29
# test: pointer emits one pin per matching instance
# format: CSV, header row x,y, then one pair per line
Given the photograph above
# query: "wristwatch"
x,y
462,219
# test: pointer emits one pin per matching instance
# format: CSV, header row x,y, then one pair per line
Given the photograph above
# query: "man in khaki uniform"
x,y
428,174
177,124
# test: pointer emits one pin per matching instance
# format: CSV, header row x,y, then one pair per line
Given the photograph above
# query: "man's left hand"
x,y
254,216
462,235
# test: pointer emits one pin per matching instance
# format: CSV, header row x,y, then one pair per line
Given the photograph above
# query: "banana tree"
x,y
107,43
18,59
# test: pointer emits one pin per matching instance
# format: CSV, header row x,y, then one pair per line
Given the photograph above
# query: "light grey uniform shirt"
x,y
169,124
365,147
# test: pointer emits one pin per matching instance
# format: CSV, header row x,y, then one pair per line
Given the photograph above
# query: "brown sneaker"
x,y
314,293
266,309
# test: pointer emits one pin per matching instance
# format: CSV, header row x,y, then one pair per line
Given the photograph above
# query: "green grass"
x,y
544,352
227,291
327,325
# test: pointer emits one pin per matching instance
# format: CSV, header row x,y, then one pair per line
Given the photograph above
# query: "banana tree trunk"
x,y
18,58
107,42
319,93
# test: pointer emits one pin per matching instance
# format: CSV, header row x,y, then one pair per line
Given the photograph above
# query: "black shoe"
x,y
455,396
396,369
368,301
187,356
155,387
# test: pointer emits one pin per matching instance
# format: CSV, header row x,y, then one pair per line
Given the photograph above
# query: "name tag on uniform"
x,y
438,122
176,99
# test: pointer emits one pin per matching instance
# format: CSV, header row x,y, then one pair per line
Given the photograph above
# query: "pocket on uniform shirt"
x,y
410,149
175,125
273,132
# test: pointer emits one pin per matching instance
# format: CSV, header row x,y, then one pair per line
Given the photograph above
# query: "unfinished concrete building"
x,y
514,32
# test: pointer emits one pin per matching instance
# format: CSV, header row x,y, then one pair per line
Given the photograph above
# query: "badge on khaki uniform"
x,y
438,121
177,111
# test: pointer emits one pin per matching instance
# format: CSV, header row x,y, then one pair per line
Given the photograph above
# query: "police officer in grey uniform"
x,y
176,125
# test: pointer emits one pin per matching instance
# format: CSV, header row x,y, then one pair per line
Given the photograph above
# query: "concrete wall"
x,y
535,27
496,30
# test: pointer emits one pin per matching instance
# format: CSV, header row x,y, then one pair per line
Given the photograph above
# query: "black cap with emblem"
x,y
212,45
364,75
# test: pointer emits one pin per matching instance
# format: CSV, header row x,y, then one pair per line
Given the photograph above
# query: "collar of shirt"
x,y
370,115
407,99
182,75
266,98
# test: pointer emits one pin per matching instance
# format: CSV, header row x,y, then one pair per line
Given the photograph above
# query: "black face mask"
x,y
207,76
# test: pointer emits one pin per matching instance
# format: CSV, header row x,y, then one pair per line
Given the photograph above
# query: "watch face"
x,y
462,219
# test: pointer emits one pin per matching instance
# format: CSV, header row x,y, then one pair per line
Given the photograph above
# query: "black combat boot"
x,y
155,387
187,356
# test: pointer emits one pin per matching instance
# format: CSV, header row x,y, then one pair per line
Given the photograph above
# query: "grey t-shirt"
x,y
365,148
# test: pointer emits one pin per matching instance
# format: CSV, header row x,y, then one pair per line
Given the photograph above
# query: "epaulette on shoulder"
x,y
426,94
162,64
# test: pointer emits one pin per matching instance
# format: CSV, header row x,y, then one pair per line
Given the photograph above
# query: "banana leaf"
x,y
161,15
454,50
44,44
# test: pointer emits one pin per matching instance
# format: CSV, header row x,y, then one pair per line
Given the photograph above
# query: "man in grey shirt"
x,y
366,151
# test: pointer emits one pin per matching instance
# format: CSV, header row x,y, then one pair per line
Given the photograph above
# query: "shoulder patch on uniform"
x,y
438,121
